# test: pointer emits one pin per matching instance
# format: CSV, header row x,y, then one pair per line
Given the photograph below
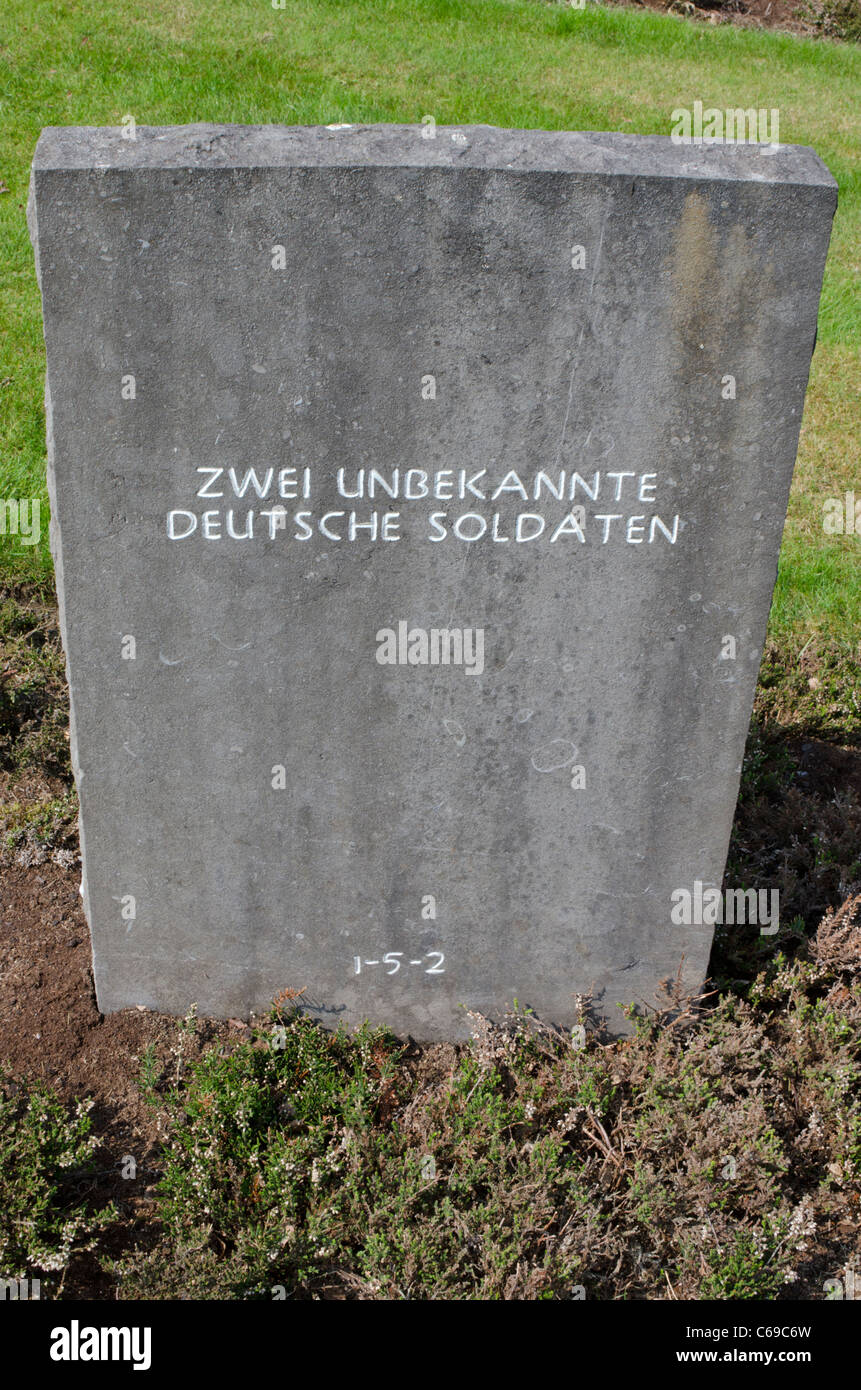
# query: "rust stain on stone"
x,y
694,266
718,284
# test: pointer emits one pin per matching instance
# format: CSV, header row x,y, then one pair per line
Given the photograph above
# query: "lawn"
x,y
516,63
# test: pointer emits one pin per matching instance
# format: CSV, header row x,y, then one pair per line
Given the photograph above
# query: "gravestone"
x,y
416,504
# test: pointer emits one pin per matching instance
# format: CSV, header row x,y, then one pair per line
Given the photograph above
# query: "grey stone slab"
x,y
432,848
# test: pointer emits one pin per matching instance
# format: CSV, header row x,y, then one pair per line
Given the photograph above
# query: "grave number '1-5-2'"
x,y
393,960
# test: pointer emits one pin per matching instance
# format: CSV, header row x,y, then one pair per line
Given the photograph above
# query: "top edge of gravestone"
x,y
202,146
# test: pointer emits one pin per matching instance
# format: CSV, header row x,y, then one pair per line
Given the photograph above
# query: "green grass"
x,y
503,62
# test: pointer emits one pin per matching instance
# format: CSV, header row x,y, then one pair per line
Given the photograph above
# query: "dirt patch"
x,y
53,1031
827,769
818,18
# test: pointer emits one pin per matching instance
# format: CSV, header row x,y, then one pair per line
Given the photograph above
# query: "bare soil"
x,y
789,15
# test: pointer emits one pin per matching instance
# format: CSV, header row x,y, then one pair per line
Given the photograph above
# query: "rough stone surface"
x,y
605,657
